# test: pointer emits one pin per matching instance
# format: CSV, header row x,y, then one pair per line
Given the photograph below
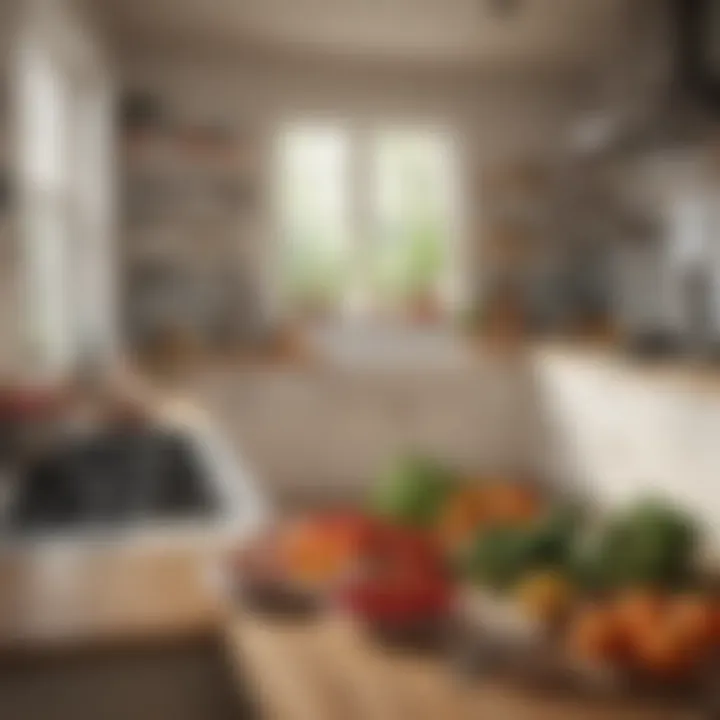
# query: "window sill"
x,y
388,347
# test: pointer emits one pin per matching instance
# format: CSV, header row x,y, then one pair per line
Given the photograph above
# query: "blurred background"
x,y
196,188
487,230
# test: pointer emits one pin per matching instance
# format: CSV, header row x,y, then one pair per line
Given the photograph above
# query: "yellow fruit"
x,y
545,596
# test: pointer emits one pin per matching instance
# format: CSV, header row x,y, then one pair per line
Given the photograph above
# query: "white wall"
x,y
332,430
621,431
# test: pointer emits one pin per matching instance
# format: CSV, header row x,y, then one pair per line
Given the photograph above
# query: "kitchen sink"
x,y
112,480
149,477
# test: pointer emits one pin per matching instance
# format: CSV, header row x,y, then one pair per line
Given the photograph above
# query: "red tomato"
x,y
397,603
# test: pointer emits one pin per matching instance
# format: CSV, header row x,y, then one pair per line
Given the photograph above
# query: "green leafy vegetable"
x,y
413,491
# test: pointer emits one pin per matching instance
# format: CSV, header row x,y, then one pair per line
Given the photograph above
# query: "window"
x,y
315,221
64,121
368,222
44,109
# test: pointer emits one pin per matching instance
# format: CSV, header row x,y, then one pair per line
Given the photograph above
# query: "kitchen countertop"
x,y
146,581
64,598
325,669
689,374
58,596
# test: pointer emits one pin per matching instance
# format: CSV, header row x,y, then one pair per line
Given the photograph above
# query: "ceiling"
x,y
554,32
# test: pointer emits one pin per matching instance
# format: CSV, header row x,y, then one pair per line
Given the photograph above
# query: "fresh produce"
x,y
595,636
501,556
665,637
318,549
497,558
692,617
676,640
509,504
615,594
395,546
545,595
397,604
664,654
459,520
553,537
399,579
479,506
652,543
413,491
639,607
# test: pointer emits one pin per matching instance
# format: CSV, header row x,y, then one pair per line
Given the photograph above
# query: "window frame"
x,y
362,134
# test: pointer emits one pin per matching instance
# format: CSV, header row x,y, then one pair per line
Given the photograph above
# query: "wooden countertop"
x,y
61,598
326,670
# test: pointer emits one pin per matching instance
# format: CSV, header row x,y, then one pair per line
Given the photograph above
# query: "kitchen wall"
x,y
507,111
329,428
332,430
497,116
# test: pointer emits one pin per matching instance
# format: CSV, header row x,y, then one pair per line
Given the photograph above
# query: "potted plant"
x,y
423,265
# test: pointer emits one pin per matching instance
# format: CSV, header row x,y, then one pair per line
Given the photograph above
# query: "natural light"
x,y
368,222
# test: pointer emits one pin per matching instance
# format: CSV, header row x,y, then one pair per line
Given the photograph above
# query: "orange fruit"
x,y
692,618
665,652
317,549
510,503
668,638
639,609
714,603
596,635
461,517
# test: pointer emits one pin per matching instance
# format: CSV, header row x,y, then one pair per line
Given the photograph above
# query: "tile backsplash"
x,y
334,429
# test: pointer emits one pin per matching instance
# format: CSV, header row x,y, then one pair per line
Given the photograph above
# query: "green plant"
x,y
424,256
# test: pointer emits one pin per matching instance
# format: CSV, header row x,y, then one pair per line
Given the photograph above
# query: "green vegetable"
x,y
553,538
500,557
413,491
651,543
